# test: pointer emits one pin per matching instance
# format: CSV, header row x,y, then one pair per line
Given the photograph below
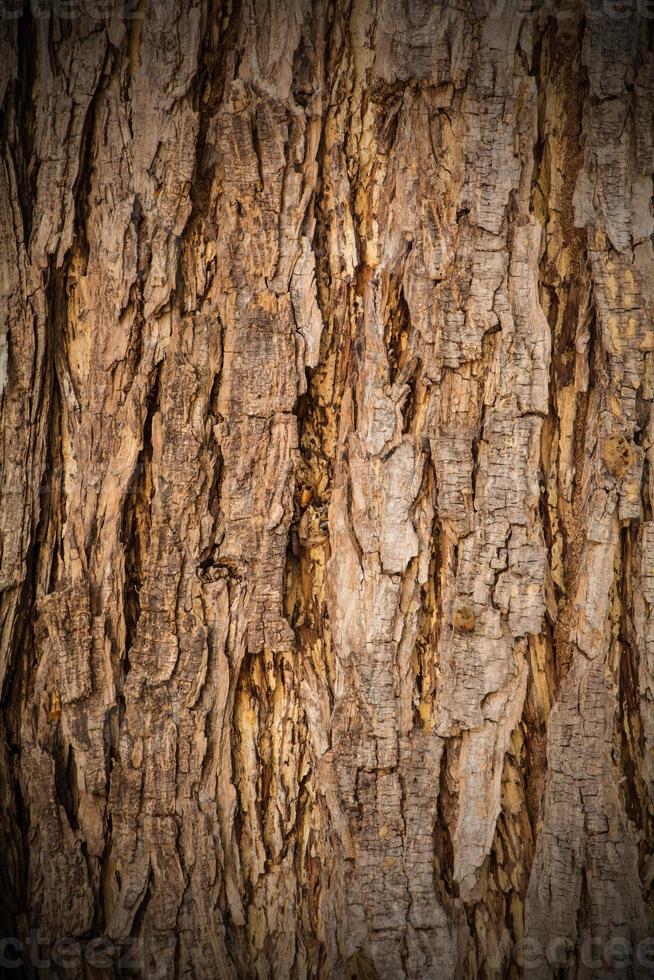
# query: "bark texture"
x,y
327,555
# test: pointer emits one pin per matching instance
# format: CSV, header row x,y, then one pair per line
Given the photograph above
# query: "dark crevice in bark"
x,y
212,76
628,734
562,283
504,878
397,328
65,779
136,520
85,172
402,367
14,819
213,507
540,686
446,886
316,411
17,120
245,727
39,579
144,901
574,541
53,501
425,653
523,782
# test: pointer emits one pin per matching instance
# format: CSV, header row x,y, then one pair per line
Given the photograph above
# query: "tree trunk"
x,y
327,630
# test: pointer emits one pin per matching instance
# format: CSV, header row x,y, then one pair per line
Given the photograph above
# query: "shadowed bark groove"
x,y
326,537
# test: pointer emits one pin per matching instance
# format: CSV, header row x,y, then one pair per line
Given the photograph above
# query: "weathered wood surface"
x,y
327,554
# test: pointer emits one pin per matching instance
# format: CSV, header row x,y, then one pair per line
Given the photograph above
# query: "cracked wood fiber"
x,y
327,527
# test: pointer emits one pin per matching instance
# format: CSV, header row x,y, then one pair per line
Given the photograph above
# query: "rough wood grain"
x,y
326,382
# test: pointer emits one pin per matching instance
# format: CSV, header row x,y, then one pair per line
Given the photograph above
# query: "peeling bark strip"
x,y
326,380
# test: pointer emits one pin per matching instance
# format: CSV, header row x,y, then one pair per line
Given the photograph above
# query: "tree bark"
x,y
327,626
